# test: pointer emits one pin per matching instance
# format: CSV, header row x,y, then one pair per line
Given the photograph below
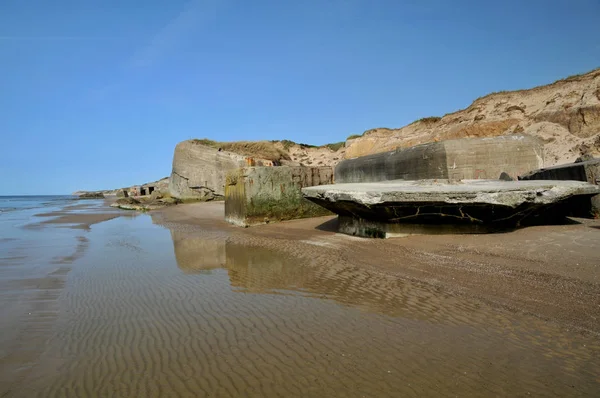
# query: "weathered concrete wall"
x,y
199,171
426,161
476,158
584,171
256,195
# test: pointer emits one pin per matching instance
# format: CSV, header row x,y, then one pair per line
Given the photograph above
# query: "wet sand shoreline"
x,y
550,272
177,302
79,215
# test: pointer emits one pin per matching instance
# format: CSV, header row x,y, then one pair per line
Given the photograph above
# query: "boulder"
x,y
143,204
91,195
155,195
127,203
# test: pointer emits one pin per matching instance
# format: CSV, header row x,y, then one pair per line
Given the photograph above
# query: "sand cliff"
x,y
565,115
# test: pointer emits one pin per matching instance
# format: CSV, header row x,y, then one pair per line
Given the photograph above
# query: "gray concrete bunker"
x,y
258,195
456,186
392,208
580,171
468,158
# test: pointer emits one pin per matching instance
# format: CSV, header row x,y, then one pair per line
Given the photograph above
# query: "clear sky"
x,y
95,94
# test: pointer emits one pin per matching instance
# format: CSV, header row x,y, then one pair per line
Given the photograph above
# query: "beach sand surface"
x,y
179,303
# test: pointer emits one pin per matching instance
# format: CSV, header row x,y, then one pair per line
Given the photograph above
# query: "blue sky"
x,y
95,94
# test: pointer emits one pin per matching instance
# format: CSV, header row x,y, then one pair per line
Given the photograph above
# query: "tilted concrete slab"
x,y
582,171
388,208
469,158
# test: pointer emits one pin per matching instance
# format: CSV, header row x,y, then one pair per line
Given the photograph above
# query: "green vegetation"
x,y
287,144
336,146
591,75
256,149
351,137
289,206
429,119
573,77
206,142
263,149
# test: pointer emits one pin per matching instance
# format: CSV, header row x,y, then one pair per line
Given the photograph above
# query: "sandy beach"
x,y
176,302
551,272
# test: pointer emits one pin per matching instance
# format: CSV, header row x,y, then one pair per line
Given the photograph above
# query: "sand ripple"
x,y
237,320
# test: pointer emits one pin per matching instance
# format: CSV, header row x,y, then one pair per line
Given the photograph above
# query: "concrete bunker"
x,y
468,158
396,208
259,195
199,171
146,190
588,171
447,187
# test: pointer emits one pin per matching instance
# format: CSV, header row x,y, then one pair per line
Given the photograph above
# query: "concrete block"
x,y
199,171
454,160
583,171
258,195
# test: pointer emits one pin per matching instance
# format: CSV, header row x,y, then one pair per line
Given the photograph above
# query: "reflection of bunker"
x,y
196,254
260,270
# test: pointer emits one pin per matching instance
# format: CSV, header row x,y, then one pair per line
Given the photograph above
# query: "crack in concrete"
x,y
198,187
180,176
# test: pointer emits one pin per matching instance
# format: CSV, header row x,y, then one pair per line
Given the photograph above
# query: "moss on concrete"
x,y
257,195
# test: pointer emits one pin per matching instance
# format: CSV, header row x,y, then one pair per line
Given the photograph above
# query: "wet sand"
x,y
80,215
179,303
551,272
81,220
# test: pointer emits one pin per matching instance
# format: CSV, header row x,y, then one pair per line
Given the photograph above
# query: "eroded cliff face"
x,y
565,115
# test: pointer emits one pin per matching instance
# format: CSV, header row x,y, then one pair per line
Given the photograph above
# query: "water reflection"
x,y
270,324
260,270
432,325
264,271
198,255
